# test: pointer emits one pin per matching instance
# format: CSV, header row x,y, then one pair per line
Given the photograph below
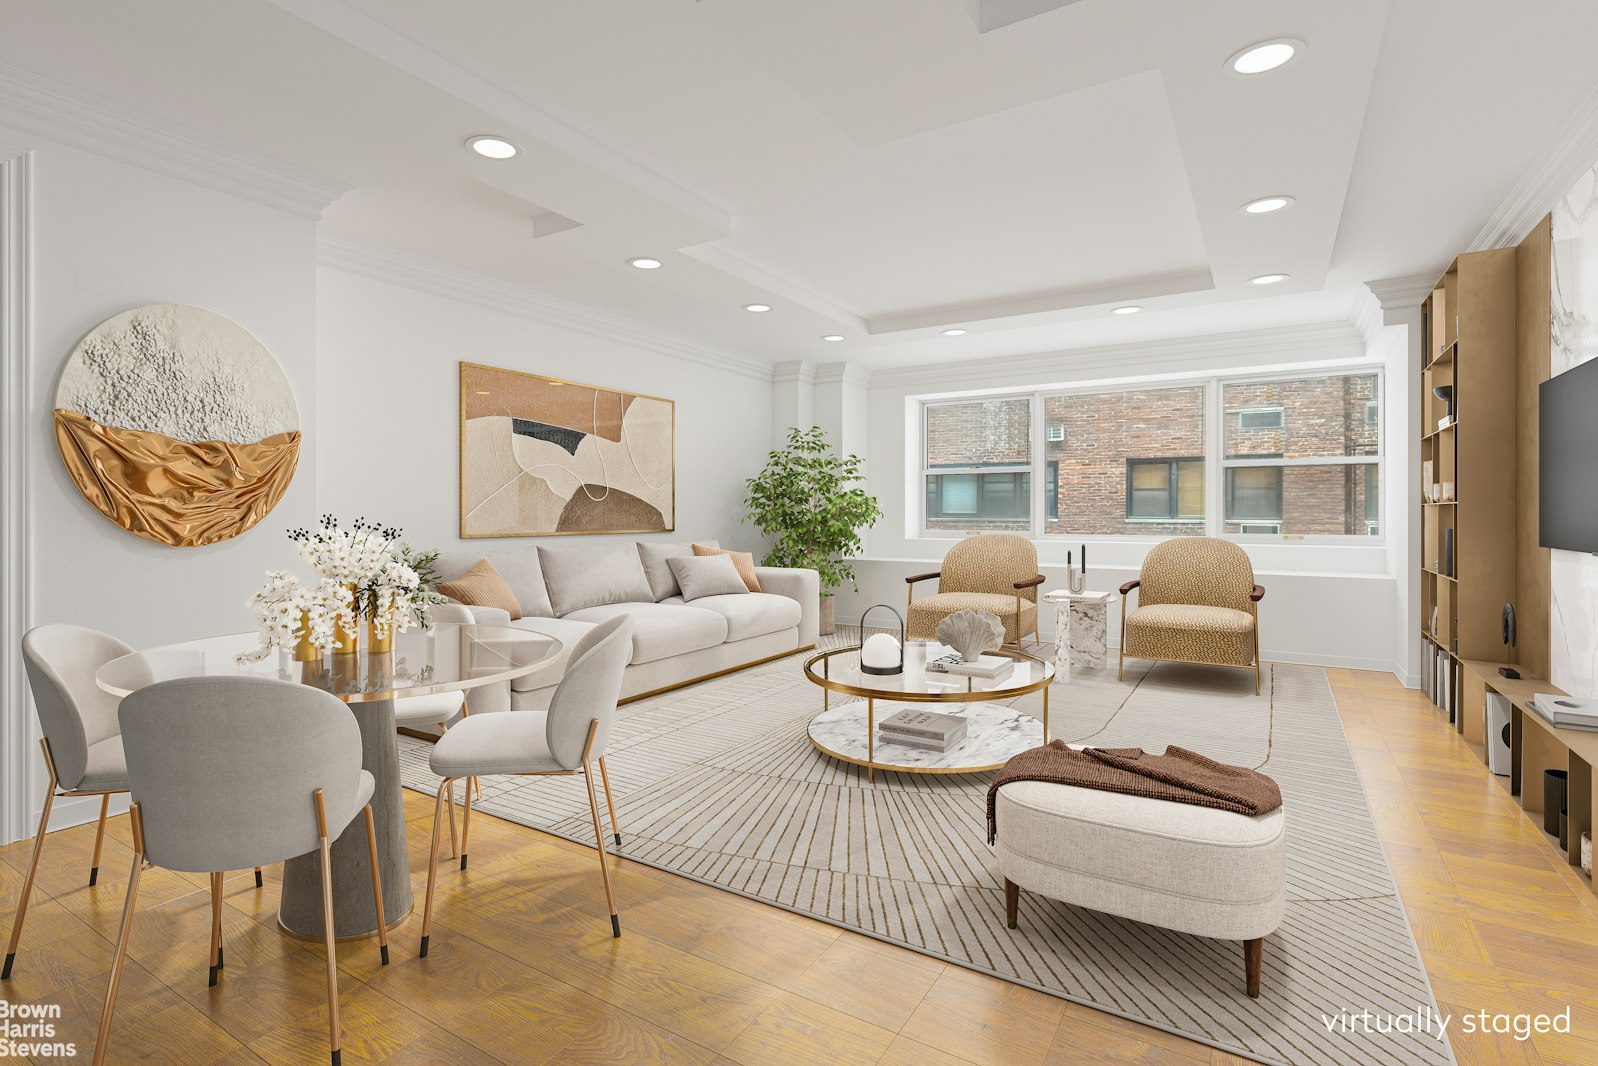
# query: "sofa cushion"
x,y
744,561
566,630
714,575
518,566
661,630
590,576
482,586
753,614
653,556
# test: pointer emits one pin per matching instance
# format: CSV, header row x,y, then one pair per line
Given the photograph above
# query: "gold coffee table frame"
x,y
818,668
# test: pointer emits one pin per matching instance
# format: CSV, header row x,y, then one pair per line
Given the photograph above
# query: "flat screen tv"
x,y
1568,459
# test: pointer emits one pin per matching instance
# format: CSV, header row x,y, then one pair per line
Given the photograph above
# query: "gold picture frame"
x,y
544,456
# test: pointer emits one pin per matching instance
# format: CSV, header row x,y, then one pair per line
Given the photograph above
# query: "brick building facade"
x,y
1131,462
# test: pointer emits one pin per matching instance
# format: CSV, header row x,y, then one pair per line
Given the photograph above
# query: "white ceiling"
x,y
880,169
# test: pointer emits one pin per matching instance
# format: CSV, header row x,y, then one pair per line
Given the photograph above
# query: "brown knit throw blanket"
x,y
1179,775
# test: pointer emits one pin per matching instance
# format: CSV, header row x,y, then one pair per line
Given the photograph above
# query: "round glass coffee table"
x,y
994,733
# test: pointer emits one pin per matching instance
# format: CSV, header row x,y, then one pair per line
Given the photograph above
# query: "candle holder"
x,y
880,653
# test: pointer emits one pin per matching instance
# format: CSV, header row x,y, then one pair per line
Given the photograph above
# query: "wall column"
x,y
793,401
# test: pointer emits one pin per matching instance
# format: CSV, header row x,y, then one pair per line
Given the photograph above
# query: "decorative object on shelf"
x,y
814,503
881,653
364,573
1077,577
177,424
1445,393
1509,624
1586,853
1556,785
1426,479
542,456
1447,494
1434,620
1564,830
971,633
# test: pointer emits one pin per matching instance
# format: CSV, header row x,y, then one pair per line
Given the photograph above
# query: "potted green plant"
x,y
812,501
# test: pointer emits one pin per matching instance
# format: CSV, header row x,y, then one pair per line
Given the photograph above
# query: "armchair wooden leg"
x,y
444,789
103,1040
99,839
1012,902
1253,956
33,868
328,939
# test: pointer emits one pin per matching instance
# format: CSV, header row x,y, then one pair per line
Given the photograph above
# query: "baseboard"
x,y
707,677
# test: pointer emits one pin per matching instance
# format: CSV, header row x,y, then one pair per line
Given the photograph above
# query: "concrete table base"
x,y
300,912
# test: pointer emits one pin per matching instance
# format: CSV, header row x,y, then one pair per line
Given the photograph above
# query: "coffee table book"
x,y
988,667
924,743
925,725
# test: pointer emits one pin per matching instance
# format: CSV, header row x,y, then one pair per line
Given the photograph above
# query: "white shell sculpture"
x,y
971,633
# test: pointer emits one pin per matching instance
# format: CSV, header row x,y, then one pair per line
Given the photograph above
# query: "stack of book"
x,y
987,667
928,730
1566,712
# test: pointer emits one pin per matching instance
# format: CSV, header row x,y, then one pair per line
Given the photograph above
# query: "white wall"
x,y
1334,605
107,236
388,366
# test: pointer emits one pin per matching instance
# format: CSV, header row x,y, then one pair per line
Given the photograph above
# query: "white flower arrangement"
x,y
364,572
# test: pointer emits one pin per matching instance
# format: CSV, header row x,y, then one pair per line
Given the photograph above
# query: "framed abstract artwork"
x,y
543,456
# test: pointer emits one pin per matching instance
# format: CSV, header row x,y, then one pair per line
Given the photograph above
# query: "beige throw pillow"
x,y
743,561
701,577
481,586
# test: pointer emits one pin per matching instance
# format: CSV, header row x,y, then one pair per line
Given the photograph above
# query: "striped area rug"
x,y
719,782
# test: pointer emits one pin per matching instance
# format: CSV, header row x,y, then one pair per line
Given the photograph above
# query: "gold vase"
x,y
305,651
347,641
378,644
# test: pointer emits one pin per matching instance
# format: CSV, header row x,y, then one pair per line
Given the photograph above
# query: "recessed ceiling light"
x,y
1265,56
644,263
1266,204
1129,309
833,337
1268,279
757,308
491,147
954,333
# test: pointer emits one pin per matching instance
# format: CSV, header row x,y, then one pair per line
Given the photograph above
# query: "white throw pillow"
x,y
590,577
707,575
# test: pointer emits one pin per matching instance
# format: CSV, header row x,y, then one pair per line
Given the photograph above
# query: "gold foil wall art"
x,y
177,424
542,455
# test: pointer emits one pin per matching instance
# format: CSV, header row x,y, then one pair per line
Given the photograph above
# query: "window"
x,y
979,465
1165,489
1251,418
1285,455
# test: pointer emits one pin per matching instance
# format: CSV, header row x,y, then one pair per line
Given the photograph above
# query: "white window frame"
x,y
1216,464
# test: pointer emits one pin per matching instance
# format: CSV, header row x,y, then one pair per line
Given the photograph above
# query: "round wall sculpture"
x,y
177,424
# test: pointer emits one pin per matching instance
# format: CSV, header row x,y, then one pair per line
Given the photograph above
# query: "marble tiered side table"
x,y
1081,622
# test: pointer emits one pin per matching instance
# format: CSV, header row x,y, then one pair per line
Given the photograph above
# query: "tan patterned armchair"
x,y
993,572
1196,604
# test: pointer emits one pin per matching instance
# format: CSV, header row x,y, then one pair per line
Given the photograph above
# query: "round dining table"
x,y
450,657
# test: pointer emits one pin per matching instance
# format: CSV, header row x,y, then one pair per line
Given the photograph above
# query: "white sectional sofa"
x,y
565,590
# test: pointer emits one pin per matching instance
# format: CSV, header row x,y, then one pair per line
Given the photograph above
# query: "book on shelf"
x,y
1564,712
924,725
987,667
923,743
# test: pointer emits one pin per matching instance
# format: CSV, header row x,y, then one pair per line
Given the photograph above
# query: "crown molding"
x,y
791,370
1396,294
1572,150
35,104
355,255
843,373
1325,341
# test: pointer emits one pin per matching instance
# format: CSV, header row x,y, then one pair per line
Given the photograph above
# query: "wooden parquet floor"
x,y
523,969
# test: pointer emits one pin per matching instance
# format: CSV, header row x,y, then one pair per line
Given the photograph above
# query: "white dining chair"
x,y
568,739
230,772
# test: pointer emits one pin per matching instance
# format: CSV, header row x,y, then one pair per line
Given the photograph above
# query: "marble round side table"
x,y
451,657
1081,625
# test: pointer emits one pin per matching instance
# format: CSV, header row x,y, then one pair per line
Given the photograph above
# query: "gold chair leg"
x,y
599,842
33,869
216,927
432,864
604,776
466,819
99,839
104,1038
377,883
1256,660
325,849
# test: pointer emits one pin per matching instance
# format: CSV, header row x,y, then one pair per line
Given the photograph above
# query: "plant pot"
x,y
829,622
1555,784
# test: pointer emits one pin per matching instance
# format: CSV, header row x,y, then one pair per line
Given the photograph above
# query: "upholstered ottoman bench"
x,y
1194,869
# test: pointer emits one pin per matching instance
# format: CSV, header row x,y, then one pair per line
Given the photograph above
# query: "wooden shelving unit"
x,y
1469,339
